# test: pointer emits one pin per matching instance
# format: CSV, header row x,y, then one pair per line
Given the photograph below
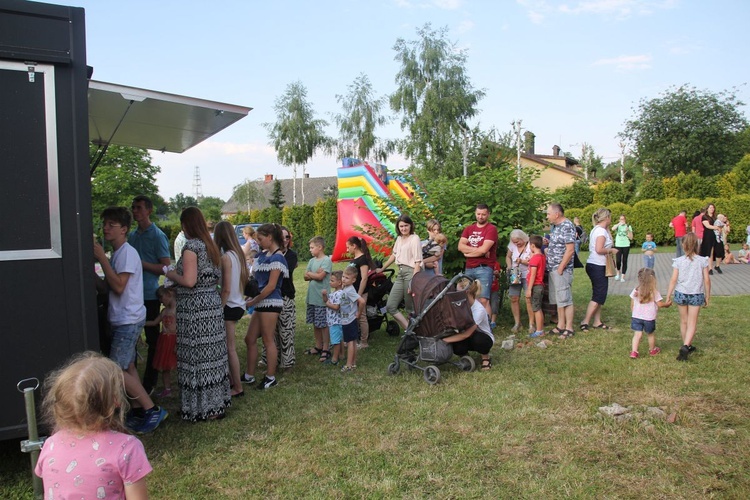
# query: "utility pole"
x,y
622,162
517,129
197,187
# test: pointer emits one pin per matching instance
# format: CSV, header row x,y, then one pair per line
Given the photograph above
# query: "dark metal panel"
x,y
34,31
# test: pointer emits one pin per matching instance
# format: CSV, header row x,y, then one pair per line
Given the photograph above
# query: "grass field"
x,y
529,428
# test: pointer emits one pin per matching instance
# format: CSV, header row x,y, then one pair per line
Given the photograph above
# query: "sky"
x,y
572,71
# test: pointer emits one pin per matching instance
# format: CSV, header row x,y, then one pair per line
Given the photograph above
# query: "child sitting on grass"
x,y
333,315
645,301
165,359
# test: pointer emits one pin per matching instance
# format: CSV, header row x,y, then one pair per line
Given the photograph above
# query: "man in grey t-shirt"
x,y
560,252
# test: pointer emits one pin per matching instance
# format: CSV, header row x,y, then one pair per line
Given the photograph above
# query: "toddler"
x,y
645,300
89,455
351,306
333,315
744,254
165,359
692,290
535,287
649,250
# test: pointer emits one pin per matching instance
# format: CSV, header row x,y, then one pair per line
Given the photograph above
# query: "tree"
x,y
277,198
211,207
577,195
434,96
246,194
296,135
180,202
362,114
124,173
687,129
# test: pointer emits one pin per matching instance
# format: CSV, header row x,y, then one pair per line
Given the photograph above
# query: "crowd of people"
x,y
216,281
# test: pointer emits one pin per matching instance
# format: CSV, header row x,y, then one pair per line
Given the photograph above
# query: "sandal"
x,y
314,351
556,331
566,334
584,327
602,326
324,356
486,365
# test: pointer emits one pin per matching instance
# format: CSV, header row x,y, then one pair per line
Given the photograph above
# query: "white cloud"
x,y
465,26
627,63
682,46
538,10
427,4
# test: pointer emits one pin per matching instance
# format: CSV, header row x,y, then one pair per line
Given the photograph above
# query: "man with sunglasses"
x,y
153,248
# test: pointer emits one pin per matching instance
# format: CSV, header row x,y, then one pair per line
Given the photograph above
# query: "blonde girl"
x,y
477,338
692,290
85,403
645,300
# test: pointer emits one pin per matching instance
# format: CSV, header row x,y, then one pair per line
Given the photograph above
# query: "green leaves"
x,y
688,129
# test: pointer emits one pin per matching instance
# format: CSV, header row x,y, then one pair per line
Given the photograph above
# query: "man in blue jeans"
x,y
478,244
123,276
153,249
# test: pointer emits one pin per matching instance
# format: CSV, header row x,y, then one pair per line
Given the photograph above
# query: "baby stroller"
x,y
441,310
379,285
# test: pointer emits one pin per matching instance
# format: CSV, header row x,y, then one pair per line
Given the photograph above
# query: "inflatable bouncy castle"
x,y
362,190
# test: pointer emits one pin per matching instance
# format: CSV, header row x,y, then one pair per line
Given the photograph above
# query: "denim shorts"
x,y
336,333
484,274
643,325
351,331
689,299
124,339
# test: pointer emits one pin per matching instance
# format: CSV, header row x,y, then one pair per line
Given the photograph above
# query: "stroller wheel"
x,y
432,375
393,368
392,328
467,363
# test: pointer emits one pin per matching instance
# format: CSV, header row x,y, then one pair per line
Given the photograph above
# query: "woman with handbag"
x,y
517,262
623,233
596,268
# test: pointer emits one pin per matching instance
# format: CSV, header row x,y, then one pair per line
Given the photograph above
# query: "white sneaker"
x,y
617,277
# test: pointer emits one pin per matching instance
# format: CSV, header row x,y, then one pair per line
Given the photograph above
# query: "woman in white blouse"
x,y
407,253
600,244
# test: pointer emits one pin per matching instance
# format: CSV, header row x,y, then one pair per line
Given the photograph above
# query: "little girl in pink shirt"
x,y
645,301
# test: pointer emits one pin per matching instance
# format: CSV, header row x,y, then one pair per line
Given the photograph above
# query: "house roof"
x,y
542,160
316,188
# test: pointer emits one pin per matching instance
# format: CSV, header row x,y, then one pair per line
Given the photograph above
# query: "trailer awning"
x,y
130,116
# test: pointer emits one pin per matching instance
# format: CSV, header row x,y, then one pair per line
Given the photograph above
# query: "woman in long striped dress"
x,y
202,363
287,324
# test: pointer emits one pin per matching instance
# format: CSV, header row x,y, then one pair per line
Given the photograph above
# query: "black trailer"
x,y
49,111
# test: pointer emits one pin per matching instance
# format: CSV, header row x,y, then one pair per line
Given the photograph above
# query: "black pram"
x,y
440,310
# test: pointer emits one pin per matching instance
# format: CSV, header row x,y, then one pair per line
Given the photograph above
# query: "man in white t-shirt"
x,y
123,275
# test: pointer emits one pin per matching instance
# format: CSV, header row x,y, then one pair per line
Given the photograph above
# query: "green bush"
x,y
298,219
325,217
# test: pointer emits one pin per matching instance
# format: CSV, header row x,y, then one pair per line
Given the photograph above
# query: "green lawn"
x,y
528,428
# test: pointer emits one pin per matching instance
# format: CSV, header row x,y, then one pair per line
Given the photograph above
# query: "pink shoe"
x,y
165,393
634,354
654,351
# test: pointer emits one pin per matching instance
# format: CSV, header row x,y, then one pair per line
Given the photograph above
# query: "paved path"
x,y
734,281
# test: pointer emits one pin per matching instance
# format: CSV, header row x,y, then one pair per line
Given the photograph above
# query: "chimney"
x,y
268,178
528,142
307,176
555,150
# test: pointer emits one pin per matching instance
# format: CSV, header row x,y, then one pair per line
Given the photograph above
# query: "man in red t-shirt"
x,y
697,225
478,244
679,224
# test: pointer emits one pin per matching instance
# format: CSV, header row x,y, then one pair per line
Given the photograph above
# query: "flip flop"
x,y
584,327
314,351
566,334
602,326
556,331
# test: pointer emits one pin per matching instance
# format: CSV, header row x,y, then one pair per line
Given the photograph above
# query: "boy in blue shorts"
x,y
318,275
333,315
351,306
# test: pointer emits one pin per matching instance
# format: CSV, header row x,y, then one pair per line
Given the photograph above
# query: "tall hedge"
x,y
654,216
325,218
